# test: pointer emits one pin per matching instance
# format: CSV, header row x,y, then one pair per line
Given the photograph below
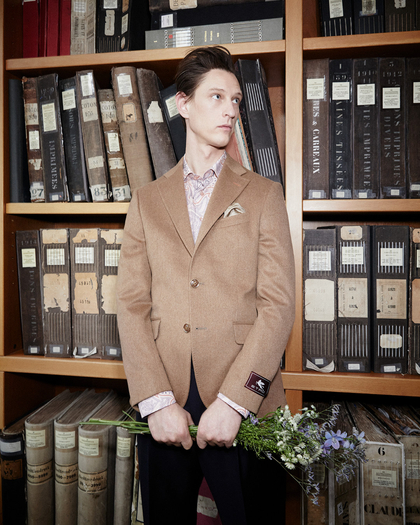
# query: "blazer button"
x,y
194,283
187,328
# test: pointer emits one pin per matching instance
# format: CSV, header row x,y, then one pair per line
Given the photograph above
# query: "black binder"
x,y
369,17
336,18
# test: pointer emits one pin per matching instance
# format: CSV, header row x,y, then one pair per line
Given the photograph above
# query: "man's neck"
x,y
201,159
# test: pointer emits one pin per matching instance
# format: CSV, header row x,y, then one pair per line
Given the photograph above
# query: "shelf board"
x,y
307,381
135,58
361,206
67,208
375,384
354,42
97,368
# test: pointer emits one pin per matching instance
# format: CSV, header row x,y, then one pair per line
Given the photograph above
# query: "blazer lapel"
x,y
172,191
229,185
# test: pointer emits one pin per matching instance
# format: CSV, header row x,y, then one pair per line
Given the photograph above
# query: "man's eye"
x,y
237,100
216,96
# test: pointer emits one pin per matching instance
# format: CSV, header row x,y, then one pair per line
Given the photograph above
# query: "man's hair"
x,y
197,63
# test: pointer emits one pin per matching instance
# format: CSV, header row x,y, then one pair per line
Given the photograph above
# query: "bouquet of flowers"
x,y
294,441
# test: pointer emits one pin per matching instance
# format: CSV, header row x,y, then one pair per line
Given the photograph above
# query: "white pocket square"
x,y
233,209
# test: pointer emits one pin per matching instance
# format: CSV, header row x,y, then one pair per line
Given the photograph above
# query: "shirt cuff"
x,y
157,402
243,411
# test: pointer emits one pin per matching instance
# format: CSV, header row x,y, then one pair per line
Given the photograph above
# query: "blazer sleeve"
x,y
249,378
133,311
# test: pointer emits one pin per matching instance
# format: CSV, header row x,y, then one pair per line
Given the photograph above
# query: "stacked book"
x,y
361,299
355,17
59,471
65,27
361,128
81,143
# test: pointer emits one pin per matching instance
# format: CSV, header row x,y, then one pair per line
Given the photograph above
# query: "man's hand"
x,y
170,425
218,425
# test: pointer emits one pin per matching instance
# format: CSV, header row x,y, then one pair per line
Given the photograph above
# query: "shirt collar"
x,y
216,168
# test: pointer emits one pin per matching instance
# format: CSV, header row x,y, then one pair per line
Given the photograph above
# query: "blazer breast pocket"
x,y
234,220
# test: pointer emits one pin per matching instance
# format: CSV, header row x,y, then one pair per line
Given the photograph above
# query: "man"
x,y
205,305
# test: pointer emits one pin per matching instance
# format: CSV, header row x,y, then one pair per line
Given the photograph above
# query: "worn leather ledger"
x,y
353,295
336,17
93,137
382,476
369,16
55,260
320,300
66,453
392,128
412,100
390,274
52,147
77,178
133,133
13,472
84,264
33,139
18,159
174,5
109,255
108,26
400,15
114,152
341,150
217,14
124,473
96,464
226,33
174,120
365,116
39,439
257,119
83,27
134,22
316,105
28,258
414,303
160,144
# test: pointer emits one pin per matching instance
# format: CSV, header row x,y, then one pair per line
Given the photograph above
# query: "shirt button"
x,y
187,328
194,283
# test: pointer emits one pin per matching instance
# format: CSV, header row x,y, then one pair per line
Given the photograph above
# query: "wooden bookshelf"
x,y
25,380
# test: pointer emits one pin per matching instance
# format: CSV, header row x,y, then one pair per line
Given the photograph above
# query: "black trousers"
x,y
246,490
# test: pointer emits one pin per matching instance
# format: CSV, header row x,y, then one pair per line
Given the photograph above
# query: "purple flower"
x,y
253,419
334,439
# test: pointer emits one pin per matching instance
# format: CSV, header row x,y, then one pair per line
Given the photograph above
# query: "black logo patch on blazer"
x,y
258,384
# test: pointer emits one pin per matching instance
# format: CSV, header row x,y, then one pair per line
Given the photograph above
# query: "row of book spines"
x,y
67,287
61,27
348,17
361,299
361,128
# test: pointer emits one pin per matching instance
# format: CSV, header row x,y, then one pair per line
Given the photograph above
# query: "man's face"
x,y
212,111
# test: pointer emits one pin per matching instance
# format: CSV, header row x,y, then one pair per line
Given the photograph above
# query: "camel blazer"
x,y
226,304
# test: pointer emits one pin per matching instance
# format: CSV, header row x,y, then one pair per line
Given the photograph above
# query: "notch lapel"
x,y
229,186
172,191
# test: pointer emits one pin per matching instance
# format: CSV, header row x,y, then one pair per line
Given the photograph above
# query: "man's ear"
x,y
181,100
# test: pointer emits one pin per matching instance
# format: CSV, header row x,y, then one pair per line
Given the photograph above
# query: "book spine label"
x,y
116,164
133,133
341,93
320,311
392,128
83,28
353,294
365,129
52,148
316,128
161,148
